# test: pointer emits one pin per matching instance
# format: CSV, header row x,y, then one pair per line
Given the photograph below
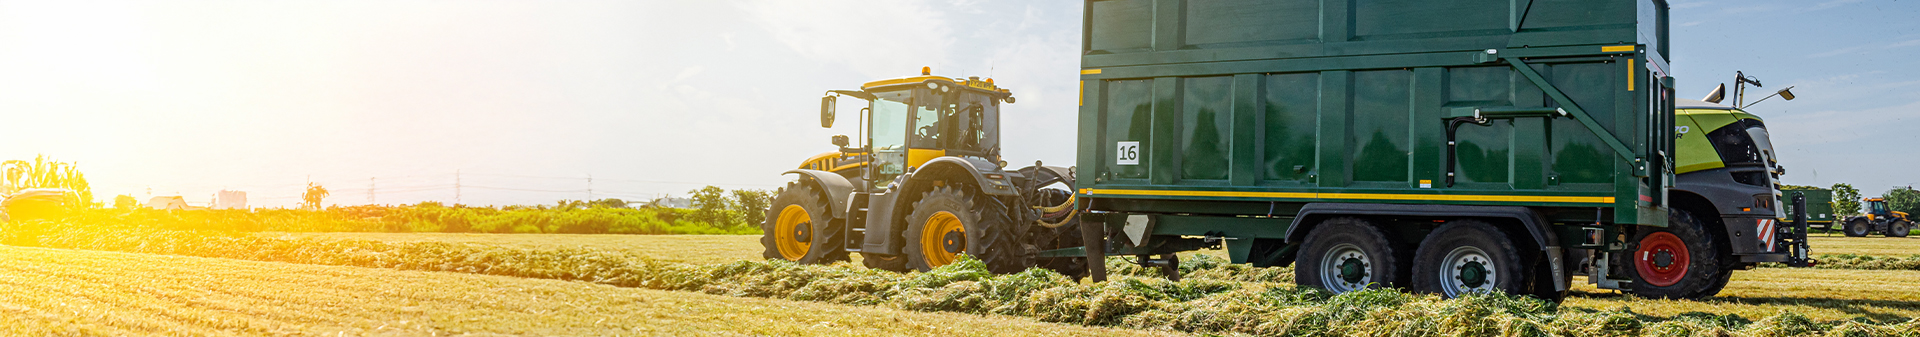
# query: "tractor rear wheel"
x,y
1679,261
948,221
1899,228
1349,254
1856,228
1467,256
799,229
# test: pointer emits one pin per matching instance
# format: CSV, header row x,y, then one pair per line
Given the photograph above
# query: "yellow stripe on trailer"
x,y
1356,196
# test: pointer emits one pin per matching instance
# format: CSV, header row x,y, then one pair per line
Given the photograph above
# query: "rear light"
x,y
1763,201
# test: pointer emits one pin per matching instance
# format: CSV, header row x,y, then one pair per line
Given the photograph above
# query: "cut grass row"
x,y
1215,298
53,292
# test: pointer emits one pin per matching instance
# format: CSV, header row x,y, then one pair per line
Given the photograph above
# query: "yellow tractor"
x,y
924,184
1880,219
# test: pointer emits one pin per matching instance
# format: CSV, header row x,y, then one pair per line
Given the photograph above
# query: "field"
x,y
377,283
66,292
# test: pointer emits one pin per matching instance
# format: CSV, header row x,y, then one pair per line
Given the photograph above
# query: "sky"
x,y
525,102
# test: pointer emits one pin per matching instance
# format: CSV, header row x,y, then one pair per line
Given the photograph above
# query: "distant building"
x,y
671,202
168,202
231,200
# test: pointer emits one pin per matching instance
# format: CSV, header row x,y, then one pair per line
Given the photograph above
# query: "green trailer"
x,y
1442,146
1819,208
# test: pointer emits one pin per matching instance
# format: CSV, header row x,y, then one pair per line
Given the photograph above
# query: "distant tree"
x,y
313,196
752,205
125,202
43,172
608,203
1846,199
711,205
1903,200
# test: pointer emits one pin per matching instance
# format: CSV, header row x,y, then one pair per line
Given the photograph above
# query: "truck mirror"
x,y
1784,93
840,140
826,111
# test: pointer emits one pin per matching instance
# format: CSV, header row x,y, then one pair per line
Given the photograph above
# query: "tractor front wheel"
x,y
1679,261
1899,229
799,229
948,221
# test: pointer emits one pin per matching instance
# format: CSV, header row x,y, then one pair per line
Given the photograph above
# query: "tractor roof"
x,y
971,83
1682,103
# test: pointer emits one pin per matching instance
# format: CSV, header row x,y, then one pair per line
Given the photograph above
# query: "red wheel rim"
x,y
1662,259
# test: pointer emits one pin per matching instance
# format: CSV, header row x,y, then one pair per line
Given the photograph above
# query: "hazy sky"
x,y
527,99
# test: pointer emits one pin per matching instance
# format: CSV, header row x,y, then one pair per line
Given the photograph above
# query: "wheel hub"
x,y
1662,259
1345,268
1468,269
803,232
955,241
1473,274
1352,270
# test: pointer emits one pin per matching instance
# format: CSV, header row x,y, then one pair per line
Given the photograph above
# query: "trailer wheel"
x,y
1467,256
1899,229
1679,261
946,222
1856,227
1348,254
798,228
894,263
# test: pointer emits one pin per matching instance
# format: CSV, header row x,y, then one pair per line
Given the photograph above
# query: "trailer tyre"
x,y
798,228
1467,256
947,222
1349,254
1679,261
1899,229
1856,227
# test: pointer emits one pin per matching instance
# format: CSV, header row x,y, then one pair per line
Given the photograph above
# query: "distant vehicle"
x,y
1879,219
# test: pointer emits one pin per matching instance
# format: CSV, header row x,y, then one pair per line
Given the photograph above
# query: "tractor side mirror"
x,y
826,111
840,140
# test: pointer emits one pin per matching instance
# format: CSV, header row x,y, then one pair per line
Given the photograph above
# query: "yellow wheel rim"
x,y
942,239
792,232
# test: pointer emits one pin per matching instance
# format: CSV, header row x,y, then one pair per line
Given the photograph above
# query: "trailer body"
x,y
1248,124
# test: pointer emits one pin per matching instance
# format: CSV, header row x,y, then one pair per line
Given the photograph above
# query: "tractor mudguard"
x,y
978,169
836,187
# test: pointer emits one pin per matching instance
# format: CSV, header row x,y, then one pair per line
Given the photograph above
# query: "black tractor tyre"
x,y
1467,256
826,242
893,263
985,234
1899,229
1065,235
1337,244
1857,227
1691,257
1719,282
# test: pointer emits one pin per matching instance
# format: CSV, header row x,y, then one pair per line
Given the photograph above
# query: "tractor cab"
x,y
909,121
1877,209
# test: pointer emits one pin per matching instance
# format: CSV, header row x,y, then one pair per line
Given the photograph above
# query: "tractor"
x,y
925,184
1879,218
